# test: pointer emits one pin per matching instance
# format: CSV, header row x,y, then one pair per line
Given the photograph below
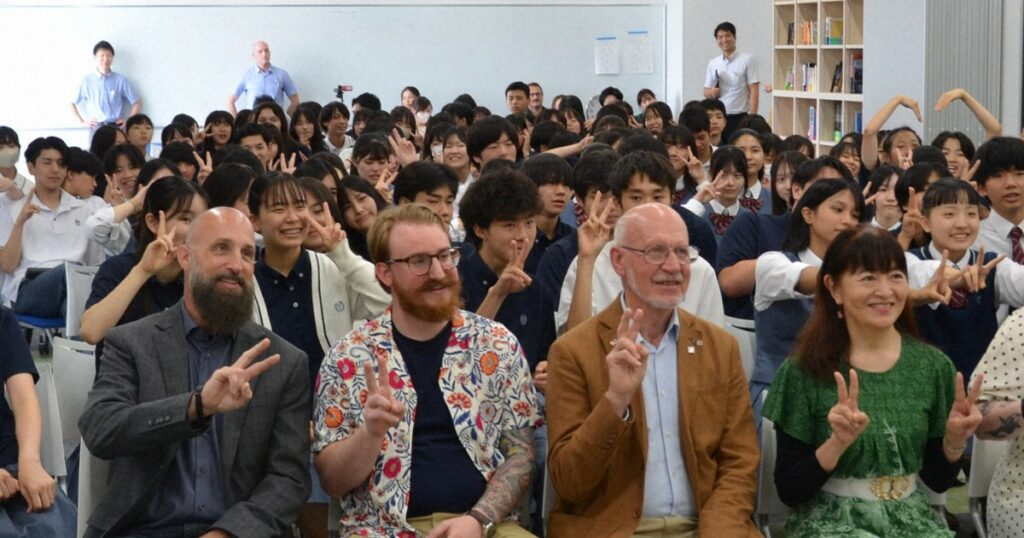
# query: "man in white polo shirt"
x,y
732,79
43,230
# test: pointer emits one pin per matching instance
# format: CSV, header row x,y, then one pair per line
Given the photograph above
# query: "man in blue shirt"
x,y
102,95
263,79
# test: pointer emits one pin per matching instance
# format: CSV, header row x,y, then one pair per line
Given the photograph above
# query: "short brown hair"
x,y
379,236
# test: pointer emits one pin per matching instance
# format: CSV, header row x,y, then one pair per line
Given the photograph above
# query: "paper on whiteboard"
x,y
606,56
637,52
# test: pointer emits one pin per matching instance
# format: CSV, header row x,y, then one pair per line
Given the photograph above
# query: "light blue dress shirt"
x,y
102,97
274,82
666,485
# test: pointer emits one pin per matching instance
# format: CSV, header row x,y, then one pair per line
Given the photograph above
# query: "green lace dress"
x,y
907,405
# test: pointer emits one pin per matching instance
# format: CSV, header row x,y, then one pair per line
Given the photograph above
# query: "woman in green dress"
x,y
852,447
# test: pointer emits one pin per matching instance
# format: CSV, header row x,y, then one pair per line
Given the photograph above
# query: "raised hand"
x,y
912,104
913,219
384,182
964,416
974,276
140,196
709,189
845,418
37,487
228,388
286,166
694,167
514,278
594,233
627,360
869,199
382,411
949,97
205,167
904,160
113,195
28,209
937,289
967,172
405,151
160,252
330,231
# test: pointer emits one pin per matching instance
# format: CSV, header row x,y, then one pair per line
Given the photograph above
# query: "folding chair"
x,y
78,279
92,485
47,327
984,460
936,500
769,507
74,369
743,330
333,517
51,449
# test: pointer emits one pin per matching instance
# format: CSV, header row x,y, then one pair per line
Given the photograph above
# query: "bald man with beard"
x,y
202,413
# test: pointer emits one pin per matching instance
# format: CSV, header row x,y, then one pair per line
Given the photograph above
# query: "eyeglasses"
x,y
658,254
420,264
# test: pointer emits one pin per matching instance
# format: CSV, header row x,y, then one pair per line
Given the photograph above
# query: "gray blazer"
x,y
136,417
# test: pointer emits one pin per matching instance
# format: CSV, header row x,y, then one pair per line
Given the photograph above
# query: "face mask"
x,y
436,150
422,117
9,156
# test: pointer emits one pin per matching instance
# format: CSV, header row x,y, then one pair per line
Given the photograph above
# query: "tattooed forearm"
x,y
1001,419
511,479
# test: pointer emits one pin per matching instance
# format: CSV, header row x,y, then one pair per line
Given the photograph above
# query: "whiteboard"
x,y
188,58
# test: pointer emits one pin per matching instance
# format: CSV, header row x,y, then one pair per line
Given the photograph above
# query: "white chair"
x,y
74,368
549,496
333,517
770,508
92,485
935,499
78,279
743,330
984,459
51,449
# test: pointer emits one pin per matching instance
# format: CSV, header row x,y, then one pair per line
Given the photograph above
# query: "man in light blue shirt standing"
x,y
102,95
263,79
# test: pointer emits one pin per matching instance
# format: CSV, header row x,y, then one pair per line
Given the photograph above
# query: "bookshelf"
x,y
817,69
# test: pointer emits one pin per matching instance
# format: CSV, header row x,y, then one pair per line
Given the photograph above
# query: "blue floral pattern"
x,y
484,378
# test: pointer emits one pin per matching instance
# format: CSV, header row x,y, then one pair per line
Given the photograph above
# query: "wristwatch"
x,y
488,527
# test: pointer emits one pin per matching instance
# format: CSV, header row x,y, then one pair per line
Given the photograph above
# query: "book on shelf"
x,y
857,72
810,74
837,78
789,78
858,122
789,33
833,31
809,33
812,124
837,123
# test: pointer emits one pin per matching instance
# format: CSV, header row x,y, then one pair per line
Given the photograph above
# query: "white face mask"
x,y
9,156
436,150
422,117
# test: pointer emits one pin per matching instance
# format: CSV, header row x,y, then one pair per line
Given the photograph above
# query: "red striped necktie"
x,y
1018,250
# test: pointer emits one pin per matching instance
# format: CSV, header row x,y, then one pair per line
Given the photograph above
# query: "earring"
x,y
839,314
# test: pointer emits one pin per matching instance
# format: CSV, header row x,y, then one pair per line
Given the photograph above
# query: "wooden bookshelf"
x,y
813,40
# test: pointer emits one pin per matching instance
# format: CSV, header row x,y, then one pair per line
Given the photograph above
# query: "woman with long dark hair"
x,y
864,409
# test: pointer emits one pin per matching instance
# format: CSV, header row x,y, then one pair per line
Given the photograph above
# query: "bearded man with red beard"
x,y
425,415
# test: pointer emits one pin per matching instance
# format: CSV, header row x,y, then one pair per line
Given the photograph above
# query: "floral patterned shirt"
x,y
484,379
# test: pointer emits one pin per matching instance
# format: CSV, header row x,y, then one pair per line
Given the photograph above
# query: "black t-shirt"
x,y
443,477
15,358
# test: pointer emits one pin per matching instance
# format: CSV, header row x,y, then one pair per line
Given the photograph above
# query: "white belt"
x,y
883,488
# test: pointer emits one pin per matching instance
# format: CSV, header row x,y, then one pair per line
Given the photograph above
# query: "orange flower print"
x,y
458,321
522,409
489,362
332,417
459,399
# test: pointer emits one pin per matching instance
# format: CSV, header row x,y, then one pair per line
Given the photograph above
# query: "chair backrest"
x,y
74,368
743,331
51,449
79,285
549,496
985,457
769,506
92,485
333,517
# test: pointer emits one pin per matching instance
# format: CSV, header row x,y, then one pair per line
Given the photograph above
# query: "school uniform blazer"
x,y
596,460
345,290
136,417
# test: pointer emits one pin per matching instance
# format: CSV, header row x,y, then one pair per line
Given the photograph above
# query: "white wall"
x,y
753,20
186,56
1013,62
894,57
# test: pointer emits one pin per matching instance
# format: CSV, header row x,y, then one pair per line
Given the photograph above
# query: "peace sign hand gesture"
x,y
286,166
594,233
330,231
205,167
694,167
228,388
404,150
845,418
514,278
382,411
627,360
975,275
160,252
913,219
964,416
383,185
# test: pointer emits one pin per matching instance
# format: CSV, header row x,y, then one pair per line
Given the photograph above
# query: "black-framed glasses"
x,y
658,254
420,264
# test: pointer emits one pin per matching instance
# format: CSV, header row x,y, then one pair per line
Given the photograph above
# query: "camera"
x,y
340,90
